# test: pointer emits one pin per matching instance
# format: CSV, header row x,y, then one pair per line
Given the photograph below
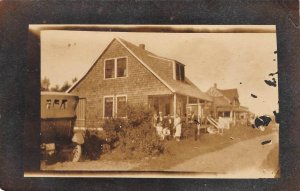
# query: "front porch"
x,y
234,114
170,105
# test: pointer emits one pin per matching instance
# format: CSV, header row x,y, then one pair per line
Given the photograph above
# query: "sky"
x,y
232,60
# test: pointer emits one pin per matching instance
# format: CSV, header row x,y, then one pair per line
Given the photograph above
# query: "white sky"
x,y
223,58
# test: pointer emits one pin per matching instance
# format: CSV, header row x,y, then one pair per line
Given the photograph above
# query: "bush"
x,y
187,130
135,137
141,141
92,147
113,129
138,114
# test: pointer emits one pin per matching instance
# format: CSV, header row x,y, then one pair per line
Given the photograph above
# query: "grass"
x,y
178,152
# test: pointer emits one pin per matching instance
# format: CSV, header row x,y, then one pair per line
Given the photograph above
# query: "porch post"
x,y
234,117
199,109
187,103
198,117
174,105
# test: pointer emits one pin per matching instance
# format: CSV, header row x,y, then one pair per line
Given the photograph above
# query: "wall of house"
x,y
138,84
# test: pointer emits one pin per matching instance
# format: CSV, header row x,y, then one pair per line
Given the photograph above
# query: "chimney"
x,y
215,85
142,46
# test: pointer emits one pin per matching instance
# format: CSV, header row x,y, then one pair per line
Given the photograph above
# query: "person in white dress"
x,y
159,130
177,127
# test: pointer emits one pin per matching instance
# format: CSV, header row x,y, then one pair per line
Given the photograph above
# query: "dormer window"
x,y
179,69
115,68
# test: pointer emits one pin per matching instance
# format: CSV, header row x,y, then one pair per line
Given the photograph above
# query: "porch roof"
x,y
233,108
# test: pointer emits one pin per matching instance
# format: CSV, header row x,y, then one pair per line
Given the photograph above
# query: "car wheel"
x,y
76,153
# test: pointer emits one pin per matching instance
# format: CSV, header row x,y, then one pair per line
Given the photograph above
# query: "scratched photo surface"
x,y
190,101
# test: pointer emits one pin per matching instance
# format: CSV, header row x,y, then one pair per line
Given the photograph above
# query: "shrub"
x,y
136,137
141,141
138,114
92,147
113,128
187,130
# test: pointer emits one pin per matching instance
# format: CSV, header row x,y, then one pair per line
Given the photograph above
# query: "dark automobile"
x,y
57,126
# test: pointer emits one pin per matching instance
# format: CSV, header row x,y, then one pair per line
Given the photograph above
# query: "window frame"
x,y
181,70
116,63
120,95
115,67
104,72
113,106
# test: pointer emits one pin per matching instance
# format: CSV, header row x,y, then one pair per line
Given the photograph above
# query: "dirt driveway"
x,y
243,159
246,159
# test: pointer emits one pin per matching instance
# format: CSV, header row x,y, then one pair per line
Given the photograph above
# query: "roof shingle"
x,y
163,67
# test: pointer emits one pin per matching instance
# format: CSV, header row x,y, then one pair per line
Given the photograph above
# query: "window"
x,y
121,67
108,106
179,72
56,104
115,106
115,68
64,104
121,106
109,68
48,103
227,114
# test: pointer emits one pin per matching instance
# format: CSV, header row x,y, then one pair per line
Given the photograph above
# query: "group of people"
x,y
167,127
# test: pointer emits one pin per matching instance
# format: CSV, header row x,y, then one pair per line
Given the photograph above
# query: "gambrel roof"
x,y
162,69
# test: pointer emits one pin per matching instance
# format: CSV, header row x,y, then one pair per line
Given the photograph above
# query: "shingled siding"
x,y
138,84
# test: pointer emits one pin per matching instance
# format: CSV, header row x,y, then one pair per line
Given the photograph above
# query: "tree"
x,y
65,86
45,83
74,80
55,88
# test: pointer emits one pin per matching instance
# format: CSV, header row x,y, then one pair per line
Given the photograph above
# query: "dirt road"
x,y
246,159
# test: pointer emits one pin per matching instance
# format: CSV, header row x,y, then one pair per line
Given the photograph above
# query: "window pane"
x,y
226,114
108,108
48,103
56,104
110,68
121,67
121,106
64,104
177,72
182,72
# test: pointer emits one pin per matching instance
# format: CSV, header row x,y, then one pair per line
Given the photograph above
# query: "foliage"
x,y
187,130
141,141
134,136
45,83
92,146
65,87
114,129
55,88
138,114
74,80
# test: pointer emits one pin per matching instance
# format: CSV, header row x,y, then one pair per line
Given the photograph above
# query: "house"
x,y
226,104
128,74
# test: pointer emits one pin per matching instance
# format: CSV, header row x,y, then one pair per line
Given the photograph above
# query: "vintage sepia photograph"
x,y
174,100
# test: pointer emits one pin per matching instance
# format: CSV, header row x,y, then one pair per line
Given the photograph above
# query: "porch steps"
x,y
216,125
